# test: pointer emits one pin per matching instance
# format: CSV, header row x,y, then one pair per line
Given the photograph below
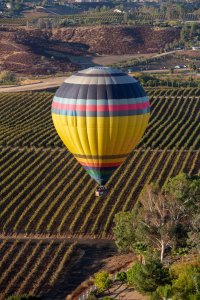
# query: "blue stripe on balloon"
x,y
99,113
100,101
100,177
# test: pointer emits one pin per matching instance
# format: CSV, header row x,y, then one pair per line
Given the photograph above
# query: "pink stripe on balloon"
x,y
101,108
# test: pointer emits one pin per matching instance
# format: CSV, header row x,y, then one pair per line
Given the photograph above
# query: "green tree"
x,y
102,280
165,291
185,33
185,189
169,11
146,278
161,217
193,30
121,276
186,282
124,230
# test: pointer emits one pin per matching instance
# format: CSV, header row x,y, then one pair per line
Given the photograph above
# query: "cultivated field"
x,y
48,268
45,191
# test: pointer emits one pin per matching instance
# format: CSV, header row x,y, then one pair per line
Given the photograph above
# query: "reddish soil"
x,y
25,53
38,52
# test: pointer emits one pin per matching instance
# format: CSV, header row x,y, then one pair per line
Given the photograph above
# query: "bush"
x,y
165,291
102,280
186,281
7,76
185,284
121,276
146,278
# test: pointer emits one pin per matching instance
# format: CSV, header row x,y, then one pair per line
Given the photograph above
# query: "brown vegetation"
x,y
118,39
38,52
24,52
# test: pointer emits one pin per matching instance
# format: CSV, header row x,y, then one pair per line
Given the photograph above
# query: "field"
x,y
44,190
48,268
46,196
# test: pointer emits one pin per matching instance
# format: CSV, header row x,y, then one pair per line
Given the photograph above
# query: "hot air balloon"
x,y
100,114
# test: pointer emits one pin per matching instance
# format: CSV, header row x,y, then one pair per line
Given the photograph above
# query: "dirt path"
x,y
123,292
43,84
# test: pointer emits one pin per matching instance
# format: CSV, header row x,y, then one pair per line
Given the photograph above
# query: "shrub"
x,y
186,283
146,278
102,280
121,276
7,76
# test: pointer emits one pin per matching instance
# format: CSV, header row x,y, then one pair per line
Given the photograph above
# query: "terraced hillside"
x,y
45,191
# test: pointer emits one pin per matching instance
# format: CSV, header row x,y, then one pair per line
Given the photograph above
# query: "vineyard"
x,y
45,191
108,17
46,268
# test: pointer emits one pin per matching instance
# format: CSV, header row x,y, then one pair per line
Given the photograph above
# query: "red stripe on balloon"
x,y
101,108
100,164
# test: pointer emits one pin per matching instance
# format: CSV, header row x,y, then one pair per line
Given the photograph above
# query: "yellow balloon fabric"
x,y
100,114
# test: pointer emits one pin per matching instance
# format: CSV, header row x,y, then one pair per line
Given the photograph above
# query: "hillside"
x,y
36,52
119,39
45,191
28,56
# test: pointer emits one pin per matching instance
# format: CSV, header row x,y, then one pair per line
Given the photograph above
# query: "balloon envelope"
x,y
100,114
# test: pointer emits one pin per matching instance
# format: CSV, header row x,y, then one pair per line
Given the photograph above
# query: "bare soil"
x,y
122,291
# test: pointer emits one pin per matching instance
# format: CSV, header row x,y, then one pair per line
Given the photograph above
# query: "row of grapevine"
x,y
43,188
55,195
176,120
26,121
33,266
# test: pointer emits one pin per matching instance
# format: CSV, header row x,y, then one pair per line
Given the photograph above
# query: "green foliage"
x,y
186,281
155,296
165,291
161,218
149,80
102,280
185,189
121,276
146,278
124,231
182,281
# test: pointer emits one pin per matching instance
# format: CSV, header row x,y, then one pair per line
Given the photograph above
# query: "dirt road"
x,y
43,84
